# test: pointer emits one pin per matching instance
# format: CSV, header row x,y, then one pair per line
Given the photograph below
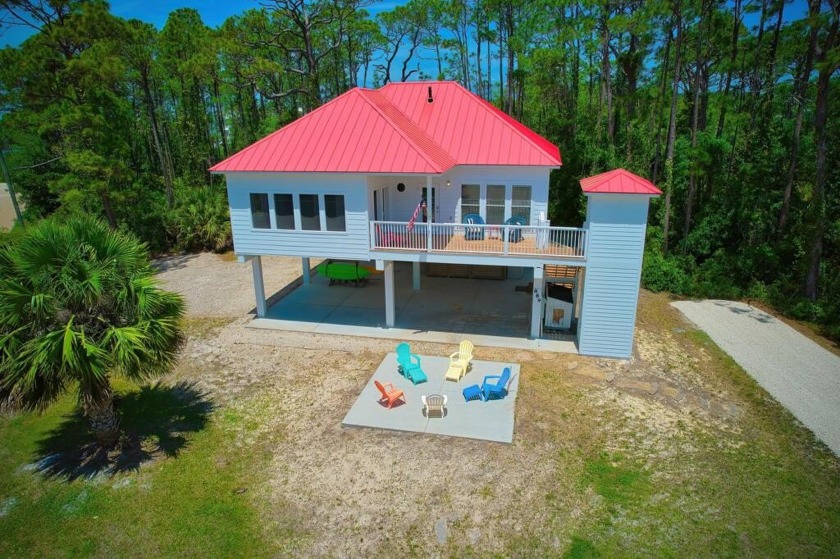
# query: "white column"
x,y
306,277
415,276
537,301
259,287
389,293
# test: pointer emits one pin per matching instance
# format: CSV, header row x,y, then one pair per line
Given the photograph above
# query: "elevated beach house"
x,y
431,174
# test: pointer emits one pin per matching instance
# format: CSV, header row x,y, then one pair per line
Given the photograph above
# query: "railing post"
x,y
505,238
585,243
372,233
429,237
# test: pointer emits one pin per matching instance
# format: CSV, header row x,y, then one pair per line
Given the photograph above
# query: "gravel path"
x,y
801,375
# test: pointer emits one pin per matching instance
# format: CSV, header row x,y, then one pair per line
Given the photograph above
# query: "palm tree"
x,y
78,304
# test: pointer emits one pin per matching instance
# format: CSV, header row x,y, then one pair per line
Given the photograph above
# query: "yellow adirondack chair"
x,y
459,361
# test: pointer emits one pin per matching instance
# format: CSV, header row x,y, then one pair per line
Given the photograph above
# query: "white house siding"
x,y
349,244
399,206
617,226
535,177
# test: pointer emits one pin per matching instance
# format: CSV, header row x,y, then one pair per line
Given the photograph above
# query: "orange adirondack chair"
x,y
389,393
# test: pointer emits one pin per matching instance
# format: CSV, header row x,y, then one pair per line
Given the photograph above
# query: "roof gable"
x,y
395,130
619,181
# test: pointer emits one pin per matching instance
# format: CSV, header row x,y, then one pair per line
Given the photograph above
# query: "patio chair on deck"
x,y
473,233
434,404
459,361
408,364
515,234
498,389
390,395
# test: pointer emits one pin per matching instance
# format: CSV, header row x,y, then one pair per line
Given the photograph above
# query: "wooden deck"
x,y
489,245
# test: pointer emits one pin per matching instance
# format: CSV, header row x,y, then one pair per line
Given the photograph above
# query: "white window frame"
x,y
322,213
323,203
482,198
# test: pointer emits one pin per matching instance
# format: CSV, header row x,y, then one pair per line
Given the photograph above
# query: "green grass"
x,y
195,500
617,483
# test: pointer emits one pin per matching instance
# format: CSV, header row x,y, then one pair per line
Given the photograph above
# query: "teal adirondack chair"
x,y
408,364
473,233
515,235
498,389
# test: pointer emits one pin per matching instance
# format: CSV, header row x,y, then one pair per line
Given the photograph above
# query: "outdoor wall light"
x,y
400,187
448,183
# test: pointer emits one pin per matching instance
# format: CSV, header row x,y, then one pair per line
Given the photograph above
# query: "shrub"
x,y
665,273
200,220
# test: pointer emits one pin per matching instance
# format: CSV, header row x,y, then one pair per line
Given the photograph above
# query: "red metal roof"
x,y
395,130
619,181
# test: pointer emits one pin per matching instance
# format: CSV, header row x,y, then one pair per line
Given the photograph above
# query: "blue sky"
x,y
214,13
156,11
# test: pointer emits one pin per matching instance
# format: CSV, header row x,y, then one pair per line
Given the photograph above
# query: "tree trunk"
x,y
733,56
102,418
656,117
510,56
755,72
487,92
108,208
799,90
606,78
672,127
575,76
695,118
828,64
501,63
150,104
774,47
479,76
220,116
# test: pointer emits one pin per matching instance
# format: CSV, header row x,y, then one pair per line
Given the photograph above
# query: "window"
x,y
310,214
259,211
495,204
470,203
284,211
520,203
334,208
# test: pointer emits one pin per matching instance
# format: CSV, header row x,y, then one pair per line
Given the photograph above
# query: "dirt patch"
x,y
384,493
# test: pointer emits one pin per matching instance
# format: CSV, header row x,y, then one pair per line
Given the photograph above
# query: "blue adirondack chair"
x,y
408,364
496,389
515,235
473,233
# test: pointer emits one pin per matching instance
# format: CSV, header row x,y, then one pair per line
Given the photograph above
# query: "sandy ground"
x,y
217,285
332,491
7,211
801,375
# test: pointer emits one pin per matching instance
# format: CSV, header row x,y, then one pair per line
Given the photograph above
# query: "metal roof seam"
x,y
428,158
341,135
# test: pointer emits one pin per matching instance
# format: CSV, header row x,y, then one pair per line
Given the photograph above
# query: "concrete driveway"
x,y
801,375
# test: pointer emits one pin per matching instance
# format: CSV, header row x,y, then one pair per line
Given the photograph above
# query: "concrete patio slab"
x,y
491,421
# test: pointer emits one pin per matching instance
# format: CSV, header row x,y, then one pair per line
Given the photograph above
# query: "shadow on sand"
x,y
155,422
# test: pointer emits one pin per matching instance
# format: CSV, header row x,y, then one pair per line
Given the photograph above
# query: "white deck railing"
x,y
506,240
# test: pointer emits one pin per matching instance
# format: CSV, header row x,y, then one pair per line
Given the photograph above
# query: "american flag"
x,y
411,221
